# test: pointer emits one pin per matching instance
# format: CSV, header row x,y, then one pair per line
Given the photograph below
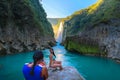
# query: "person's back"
x,y
37,72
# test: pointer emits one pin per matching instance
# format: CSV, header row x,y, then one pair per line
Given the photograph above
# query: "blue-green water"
x,y
91,68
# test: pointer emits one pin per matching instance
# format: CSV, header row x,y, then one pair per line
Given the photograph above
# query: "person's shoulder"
x,y
42,65
30,64
44,68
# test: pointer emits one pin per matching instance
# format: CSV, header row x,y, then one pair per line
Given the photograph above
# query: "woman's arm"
x,y
50,57
45,73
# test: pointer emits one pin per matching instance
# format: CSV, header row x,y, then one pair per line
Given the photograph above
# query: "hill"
x,y
23,26
96,29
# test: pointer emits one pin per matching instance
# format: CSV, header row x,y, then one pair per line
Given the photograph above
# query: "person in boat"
x,y
36,70
53,63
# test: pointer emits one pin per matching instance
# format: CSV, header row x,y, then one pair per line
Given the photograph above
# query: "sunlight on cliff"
x,y
60,32
94,7
55,30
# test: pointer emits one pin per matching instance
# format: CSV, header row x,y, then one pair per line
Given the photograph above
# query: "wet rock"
x,y
68,73
2,50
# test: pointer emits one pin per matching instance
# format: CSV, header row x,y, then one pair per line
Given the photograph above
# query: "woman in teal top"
x,y
53,63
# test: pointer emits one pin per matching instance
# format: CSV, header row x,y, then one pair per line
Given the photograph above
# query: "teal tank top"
x,y
53,57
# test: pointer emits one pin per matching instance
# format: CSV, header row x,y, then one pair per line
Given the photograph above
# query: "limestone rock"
x,y
23,26
99,25
68,73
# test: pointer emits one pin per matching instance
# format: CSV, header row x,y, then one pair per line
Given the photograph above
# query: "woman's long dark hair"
x,y
38,55
53,52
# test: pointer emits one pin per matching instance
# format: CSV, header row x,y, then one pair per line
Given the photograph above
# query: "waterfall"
x,y
60,33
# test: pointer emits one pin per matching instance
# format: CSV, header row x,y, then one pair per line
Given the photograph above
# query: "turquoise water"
x,y
91,68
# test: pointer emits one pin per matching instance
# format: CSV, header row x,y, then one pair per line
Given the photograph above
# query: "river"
x,y
90,67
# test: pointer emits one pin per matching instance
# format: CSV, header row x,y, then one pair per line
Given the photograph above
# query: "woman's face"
x,y
51,51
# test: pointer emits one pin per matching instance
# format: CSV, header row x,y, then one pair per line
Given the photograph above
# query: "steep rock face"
x,y
55,24
99,23
108,37
23,26
68,73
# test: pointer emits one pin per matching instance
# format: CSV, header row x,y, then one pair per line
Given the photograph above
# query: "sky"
x,y
64,8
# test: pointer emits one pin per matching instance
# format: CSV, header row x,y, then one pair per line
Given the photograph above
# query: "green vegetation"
x,y
85,20
24,26
101,12
39,16
25,13
82,48
83,24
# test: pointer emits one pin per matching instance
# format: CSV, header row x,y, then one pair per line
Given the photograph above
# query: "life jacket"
x,y
37,72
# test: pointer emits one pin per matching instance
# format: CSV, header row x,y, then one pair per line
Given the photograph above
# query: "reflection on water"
x,y
60,57
59,51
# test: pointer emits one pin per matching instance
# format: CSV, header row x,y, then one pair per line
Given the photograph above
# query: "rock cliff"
x,y
95,29
23,26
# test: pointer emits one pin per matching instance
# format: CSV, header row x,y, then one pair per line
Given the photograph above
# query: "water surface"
x,y
91,68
